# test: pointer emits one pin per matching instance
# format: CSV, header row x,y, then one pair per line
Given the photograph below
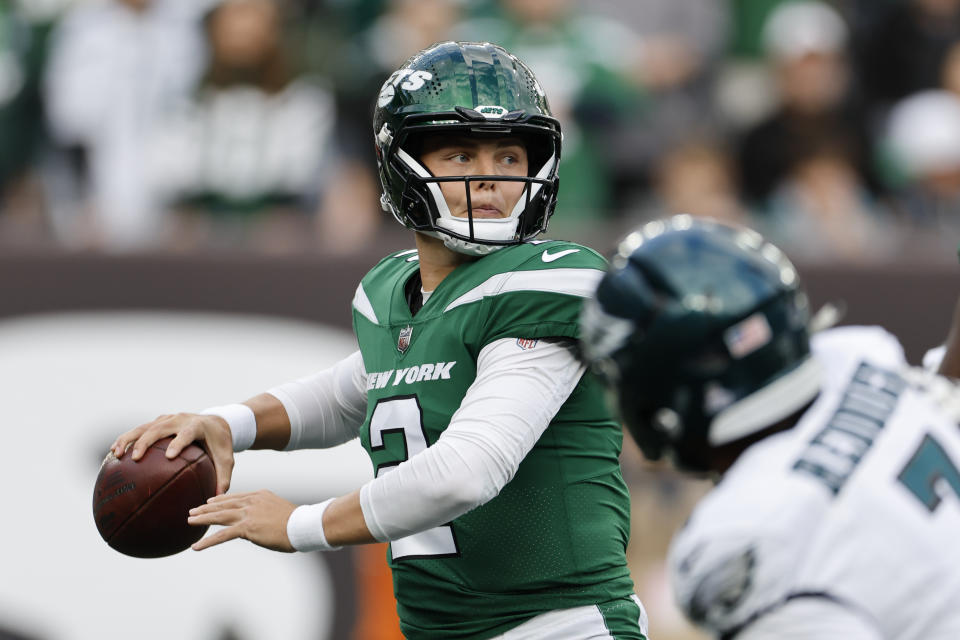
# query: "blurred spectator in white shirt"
x,y
922,153
250,161
115,67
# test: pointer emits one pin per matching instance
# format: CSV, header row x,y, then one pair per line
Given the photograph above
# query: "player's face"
x,y
463,156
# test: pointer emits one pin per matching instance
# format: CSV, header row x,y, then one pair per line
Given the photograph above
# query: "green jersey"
x,y
556,535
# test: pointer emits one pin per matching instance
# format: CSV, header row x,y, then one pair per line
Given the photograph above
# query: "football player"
x,y
496,460
838,507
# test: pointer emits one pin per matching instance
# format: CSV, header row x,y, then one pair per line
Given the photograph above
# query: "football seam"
x,y
156,493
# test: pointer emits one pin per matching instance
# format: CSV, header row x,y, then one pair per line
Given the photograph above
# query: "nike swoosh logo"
x,y
546,256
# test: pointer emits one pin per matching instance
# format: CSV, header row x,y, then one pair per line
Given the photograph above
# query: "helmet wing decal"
x,y
534,187
434,188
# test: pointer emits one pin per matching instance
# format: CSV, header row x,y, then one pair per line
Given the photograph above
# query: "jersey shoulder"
x,y
550,254
739,552
532,290
392,265
375,293
546,267
841,350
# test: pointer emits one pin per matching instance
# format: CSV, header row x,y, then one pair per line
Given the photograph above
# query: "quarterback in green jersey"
x,y
497,480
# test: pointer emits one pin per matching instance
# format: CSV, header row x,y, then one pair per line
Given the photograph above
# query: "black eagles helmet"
x,y
700,329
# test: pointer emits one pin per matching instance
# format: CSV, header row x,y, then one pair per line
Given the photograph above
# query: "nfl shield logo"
x,y
403,343
526,343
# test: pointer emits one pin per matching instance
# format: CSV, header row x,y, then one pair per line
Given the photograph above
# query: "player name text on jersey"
x,y
863,411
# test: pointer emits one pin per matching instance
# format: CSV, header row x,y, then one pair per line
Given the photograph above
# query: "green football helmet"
x,y
701,331
473,89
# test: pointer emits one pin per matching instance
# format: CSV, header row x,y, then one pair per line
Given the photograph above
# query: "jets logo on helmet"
x,y
407,79
467,89
492,112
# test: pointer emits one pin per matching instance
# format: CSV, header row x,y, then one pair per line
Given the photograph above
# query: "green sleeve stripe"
x,y
362,304
574,282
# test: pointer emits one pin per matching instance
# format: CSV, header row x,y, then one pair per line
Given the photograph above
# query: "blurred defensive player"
x,y
837,512
496,460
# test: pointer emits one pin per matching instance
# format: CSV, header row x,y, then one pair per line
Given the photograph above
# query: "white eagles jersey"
x,y
857,505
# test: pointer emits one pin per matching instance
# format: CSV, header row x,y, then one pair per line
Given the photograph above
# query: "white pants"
x,y
578,623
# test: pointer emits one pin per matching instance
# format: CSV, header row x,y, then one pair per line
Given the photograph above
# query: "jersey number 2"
x,y
402,415
929,466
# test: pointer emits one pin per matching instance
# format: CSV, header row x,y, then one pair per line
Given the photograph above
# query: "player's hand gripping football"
x,y
212,431
260,517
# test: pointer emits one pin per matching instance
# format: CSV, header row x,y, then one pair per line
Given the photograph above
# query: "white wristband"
x,y
305,528
242,422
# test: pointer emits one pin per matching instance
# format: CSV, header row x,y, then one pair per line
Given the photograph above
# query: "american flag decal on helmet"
x,y
748,336
403,342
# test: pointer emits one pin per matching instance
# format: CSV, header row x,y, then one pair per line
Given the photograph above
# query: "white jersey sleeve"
x,y
505,411
326,408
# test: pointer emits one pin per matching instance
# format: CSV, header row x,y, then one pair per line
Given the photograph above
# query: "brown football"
x,y
141,507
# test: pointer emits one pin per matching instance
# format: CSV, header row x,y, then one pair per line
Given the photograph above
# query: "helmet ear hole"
x,y
410,204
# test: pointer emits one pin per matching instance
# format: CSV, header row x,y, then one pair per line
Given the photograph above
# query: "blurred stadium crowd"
x,y
197,125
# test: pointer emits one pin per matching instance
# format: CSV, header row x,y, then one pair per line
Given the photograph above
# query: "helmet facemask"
x,y
424,207
467,90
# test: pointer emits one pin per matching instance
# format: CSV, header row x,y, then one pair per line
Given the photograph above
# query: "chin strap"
x,y
470,248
